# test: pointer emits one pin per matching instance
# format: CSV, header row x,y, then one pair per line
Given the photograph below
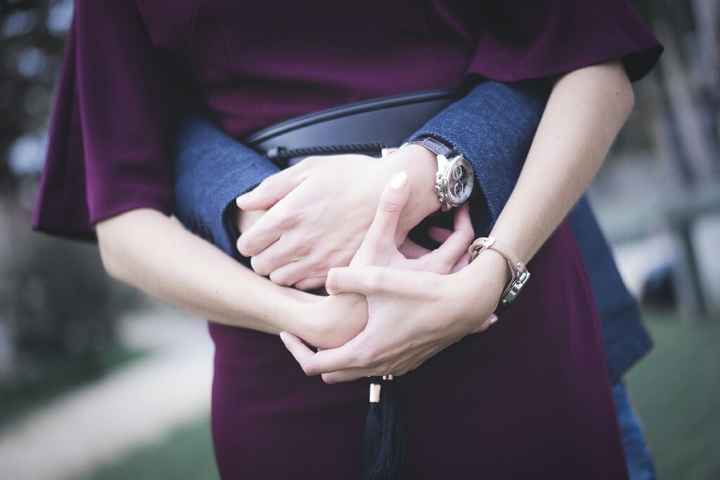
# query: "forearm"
x,y
585,111
154,253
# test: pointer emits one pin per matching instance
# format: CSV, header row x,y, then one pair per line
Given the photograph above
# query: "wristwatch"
x,y
454,179
519,274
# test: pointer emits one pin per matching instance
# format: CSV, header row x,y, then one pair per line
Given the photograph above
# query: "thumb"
x,y
392,201
362,280
270,191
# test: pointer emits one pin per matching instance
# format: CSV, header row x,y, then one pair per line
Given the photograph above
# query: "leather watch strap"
x,y
435,146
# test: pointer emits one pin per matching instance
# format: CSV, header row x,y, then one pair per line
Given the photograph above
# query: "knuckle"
x,y
286,218
392,205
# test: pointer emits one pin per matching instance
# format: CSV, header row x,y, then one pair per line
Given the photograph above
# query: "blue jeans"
x,y
639,462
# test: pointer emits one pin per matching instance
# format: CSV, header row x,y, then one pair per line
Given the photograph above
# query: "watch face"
x,y
460,181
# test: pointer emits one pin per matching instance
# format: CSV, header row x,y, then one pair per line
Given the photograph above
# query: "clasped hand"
x,y
415,306
308,218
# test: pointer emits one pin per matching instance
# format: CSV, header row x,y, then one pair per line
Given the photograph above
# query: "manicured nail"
x,y
399,180
493,319
283,337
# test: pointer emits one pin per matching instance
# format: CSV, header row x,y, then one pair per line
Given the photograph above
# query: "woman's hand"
x,y
319,210
336,319
412,315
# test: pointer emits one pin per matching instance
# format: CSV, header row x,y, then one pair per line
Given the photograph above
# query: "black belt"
x,y
361,127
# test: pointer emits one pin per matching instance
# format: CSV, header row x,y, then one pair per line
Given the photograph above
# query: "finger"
x,y
368,280
267,230
333,359
444,258
487,323
412,250
311,283
392,201
271,190
439,234
304,269
283,252
462,263
247,219
348,375
297,349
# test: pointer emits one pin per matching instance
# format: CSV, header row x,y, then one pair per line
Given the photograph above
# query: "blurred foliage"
x,y
55,375
32,34
56,303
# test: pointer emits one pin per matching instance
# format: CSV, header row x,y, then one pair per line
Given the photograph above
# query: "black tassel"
x,y
385,432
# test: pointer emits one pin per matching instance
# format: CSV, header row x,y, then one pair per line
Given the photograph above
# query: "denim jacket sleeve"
x,y
211,169
492,126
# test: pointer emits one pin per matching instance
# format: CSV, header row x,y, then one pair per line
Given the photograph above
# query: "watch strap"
x,y
435,146
519,274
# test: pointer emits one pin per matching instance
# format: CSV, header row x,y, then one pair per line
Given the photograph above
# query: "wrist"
x,y
421,167
295,312
479,286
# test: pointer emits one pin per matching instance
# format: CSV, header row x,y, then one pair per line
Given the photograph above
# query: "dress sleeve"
x,y
108,137
519,40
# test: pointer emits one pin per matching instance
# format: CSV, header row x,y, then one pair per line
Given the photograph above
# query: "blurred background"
x,y
99,382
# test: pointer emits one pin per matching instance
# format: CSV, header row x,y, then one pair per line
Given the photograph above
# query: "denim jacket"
x,y
492,126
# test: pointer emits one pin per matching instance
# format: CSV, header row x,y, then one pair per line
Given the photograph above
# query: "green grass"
x,y
184,453
56,376
676,390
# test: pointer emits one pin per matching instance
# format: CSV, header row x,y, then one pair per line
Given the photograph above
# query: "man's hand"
x,y
411,315
245,220
319,210
334,320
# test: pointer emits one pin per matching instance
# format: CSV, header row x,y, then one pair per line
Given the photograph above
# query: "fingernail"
x,y
283,337
329,282
493,319
398,180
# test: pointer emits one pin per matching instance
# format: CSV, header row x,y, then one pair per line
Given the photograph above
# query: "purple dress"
x,y
528,399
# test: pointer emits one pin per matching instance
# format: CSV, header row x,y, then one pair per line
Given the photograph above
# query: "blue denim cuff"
x,y
211,170
493,127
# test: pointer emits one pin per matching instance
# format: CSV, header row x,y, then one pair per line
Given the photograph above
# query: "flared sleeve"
x,y
108,139
521,40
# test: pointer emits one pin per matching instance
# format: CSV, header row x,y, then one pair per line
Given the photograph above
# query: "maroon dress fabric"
x,y
528,399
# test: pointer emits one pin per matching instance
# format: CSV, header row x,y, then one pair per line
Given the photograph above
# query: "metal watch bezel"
x,y
446,186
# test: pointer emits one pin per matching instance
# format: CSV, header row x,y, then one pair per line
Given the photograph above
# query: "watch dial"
x,y
460,182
